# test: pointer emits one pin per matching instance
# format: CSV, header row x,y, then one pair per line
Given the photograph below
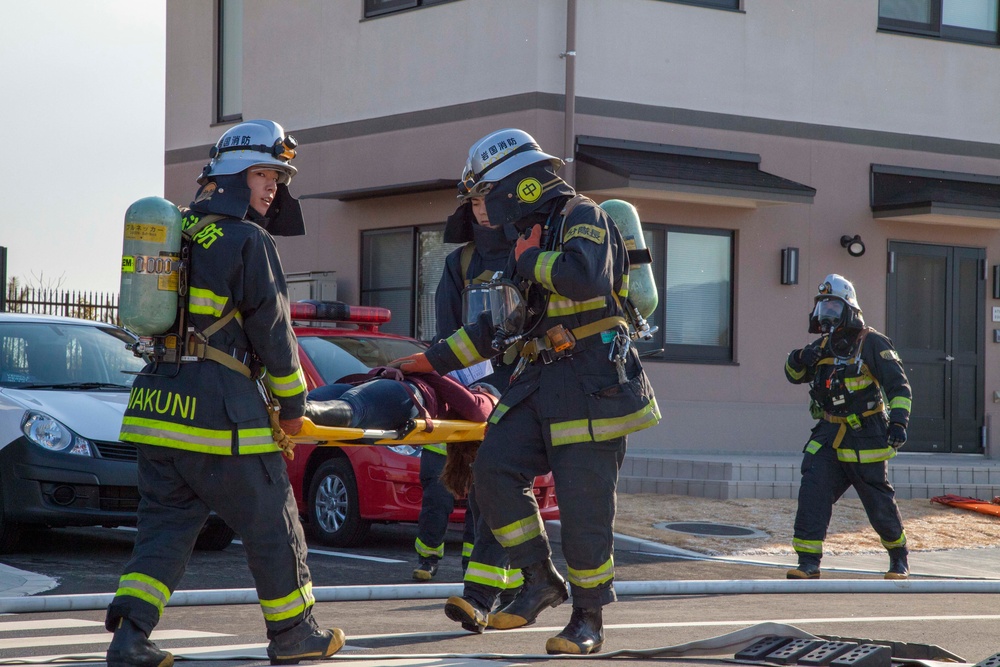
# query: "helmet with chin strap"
x,y
512,174
836,306
255,143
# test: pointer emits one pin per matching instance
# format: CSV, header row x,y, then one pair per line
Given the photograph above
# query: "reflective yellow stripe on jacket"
x,y
193,439
205,302
599,430
287,385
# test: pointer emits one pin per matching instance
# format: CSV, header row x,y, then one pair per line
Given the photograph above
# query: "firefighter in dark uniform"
x,y
489,580
852,371
485,251
202,429
577,391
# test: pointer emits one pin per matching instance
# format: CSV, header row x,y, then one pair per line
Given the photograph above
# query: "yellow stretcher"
x,y
415,433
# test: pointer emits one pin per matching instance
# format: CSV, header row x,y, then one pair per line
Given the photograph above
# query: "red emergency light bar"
x,y
366,317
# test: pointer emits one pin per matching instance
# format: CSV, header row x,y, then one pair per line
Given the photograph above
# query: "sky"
x,y
81,107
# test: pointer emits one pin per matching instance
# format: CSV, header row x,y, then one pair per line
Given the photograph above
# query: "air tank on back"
x,y
641,287
151,248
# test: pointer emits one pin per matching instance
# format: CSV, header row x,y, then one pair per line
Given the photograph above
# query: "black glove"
x,y
810,354
895,436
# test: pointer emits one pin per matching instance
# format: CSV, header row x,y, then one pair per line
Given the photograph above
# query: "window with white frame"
x,y
974,21
229,65
400,270
693,272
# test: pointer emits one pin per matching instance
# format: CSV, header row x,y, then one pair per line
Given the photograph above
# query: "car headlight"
x,y
405,450
51,434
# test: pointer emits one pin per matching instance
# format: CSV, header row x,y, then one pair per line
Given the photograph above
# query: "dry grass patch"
x,y
929,526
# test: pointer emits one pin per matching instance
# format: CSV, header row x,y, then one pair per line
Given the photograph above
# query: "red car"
x,y
342,491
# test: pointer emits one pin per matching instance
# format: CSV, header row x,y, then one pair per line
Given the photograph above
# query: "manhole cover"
x,y
709,529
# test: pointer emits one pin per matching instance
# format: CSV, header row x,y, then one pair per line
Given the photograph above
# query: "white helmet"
x,y
836,306
255,143
496,156
837,286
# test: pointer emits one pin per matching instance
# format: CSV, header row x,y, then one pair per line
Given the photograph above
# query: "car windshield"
x,y
56,355
337,356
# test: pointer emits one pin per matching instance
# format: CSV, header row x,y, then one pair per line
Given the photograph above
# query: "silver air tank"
x,y
151,249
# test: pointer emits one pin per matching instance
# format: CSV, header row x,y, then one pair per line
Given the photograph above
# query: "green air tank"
x,y
151,249
641,287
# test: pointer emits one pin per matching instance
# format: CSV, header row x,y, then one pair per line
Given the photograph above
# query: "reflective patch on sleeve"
x,y
889,354
589,232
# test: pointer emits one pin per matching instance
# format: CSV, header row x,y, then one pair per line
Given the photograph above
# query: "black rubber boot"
x,y
334,412
808,569
898,567
543,587
320,644
471,614
130,647
583,635
426,569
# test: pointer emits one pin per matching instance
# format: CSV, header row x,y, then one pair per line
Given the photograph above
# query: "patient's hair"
x,y
457,473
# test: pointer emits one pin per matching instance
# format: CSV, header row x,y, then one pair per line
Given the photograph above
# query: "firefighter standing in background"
x,y
577,390
851,369
485,251
202,429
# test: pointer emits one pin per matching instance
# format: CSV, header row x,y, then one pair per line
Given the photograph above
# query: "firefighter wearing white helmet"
x,y
206,440
576,392
850,368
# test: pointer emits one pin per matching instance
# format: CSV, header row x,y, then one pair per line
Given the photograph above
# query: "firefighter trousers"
x,y
435,508
824,480
488,574
251,493
516,450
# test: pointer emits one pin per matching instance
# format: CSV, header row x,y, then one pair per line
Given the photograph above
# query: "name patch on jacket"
x,y
589,232
162,402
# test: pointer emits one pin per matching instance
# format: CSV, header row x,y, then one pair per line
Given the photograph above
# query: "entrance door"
x,y
935,319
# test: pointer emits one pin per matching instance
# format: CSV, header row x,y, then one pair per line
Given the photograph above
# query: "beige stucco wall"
x,y
795,69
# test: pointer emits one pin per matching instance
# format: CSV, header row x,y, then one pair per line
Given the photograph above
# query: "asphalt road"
x,y
89,561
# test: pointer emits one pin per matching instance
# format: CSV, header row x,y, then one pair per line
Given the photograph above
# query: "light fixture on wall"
x,y
855,246
789,266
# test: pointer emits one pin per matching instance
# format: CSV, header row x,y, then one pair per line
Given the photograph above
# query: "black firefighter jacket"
x,y
581,396
856,397
204,406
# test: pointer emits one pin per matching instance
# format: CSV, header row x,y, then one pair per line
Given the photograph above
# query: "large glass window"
x,y
400,270
956,20
693,271
229,73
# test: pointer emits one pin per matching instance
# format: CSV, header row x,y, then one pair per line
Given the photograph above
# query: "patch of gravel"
x,y
929,526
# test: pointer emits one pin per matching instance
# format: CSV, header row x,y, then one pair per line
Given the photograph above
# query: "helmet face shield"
x,y
829,314
501,299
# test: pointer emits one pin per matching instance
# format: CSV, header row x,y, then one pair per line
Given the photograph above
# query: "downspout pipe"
x,y
569,129
61,603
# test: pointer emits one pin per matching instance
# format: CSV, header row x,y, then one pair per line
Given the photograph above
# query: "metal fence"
x,y
96,306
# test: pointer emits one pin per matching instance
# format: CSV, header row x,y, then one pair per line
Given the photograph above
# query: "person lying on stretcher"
x,y
385,398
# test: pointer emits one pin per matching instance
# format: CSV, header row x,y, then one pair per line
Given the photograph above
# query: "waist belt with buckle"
x,y
853,420
556,344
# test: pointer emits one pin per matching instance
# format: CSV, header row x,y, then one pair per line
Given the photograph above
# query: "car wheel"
x,y
215,535
334,512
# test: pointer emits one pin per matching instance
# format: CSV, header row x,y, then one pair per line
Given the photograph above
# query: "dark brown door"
x,y
936,296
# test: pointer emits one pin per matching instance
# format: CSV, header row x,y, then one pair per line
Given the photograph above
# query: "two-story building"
x,y
765,143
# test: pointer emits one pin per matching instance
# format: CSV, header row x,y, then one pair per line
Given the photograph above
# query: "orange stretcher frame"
x,y
415,433
974,504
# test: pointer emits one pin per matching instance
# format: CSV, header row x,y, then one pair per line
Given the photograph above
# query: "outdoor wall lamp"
x,y
855,246
789,266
